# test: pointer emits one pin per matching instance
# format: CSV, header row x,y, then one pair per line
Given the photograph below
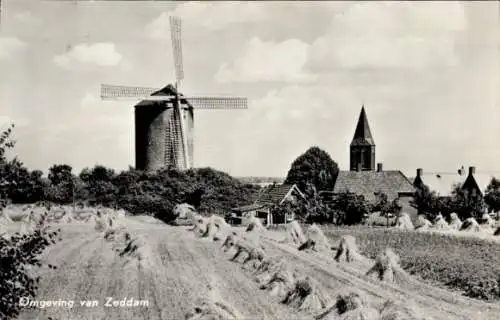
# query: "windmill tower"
x,y
164,118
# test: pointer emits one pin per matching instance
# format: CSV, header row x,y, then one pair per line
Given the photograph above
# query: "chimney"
x,y
379,167
472,171
420,171
358,167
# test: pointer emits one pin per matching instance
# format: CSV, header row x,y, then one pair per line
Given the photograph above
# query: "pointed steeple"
x,y
362,135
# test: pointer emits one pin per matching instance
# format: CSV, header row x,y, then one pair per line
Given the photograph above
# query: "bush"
x,y
350,208
17,256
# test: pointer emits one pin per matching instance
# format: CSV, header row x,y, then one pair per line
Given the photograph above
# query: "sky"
x,y
428,74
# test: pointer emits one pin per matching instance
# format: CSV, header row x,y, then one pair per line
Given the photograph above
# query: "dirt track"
x,y
178,269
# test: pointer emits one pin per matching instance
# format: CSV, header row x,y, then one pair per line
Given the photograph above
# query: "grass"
x,y
467,264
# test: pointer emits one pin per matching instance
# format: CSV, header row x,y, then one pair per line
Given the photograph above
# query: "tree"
x,y
466,205
426,202
385,207
492,195
297,209
60,173
314,167
100,188
350,208
17,183
194,198
22,186
393,208
6,143
62,184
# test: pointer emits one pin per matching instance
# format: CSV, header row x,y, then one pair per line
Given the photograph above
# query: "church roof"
x,y
368,183
168,90
362,135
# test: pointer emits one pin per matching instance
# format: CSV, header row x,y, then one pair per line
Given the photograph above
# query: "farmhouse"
x,y
275,194
442,183
364,179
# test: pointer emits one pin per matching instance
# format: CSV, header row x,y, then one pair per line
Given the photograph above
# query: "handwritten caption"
x,y
108,302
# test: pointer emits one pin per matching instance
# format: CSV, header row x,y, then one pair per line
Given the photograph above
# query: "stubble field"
x,y
166,272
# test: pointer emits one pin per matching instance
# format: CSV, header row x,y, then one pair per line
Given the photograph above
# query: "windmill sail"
x,y
174,147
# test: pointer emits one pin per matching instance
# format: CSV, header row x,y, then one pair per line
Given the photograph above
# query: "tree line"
x,y
138,192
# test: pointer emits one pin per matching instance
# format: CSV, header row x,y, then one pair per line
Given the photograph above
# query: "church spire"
x,y
362,135
362,146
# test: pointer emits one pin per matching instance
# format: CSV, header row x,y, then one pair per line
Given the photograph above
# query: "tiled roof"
x,y
368,183
443,183
250,207
273,194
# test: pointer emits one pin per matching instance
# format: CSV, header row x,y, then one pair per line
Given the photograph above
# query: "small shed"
x,y
239,214
272,195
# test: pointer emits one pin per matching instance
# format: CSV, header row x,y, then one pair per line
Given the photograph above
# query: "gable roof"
x,y
275,194
362,135
444,183
368,183
168,90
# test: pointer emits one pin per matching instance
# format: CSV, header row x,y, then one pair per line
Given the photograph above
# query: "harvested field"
x,y
149,261
155,261
334,277
445,259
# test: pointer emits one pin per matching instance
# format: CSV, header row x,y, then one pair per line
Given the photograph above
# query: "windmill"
x,y
164,118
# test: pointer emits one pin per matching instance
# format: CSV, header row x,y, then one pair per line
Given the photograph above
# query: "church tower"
x,y
362,146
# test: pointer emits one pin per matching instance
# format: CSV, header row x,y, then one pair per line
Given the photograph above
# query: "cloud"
x,y
268,61
89,100
108,114
362,36
10,47
99,54
27,17
207,16
302,114
390,35
6,121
